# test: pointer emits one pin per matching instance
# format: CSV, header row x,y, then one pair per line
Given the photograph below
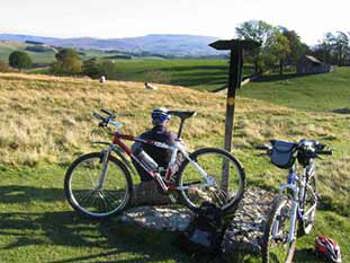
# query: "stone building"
x,y
311,65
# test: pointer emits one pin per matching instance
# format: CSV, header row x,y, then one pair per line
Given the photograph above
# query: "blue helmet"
x,y
160,115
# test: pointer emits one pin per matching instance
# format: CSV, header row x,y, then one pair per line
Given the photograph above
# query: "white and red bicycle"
x,y
99,184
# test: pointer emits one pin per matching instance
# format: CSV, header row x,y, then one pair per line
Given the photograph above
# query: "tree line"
x,y
282,47
68,62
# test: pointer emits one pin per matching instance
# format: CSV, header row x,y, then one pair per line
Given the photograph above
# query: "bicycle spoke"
x,y
109,198
91,180
103,199
216,188
81,186
86,197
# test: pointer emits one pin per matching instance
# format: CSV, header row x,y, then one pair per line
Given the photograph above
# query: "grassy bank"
x,y
323,92
46,122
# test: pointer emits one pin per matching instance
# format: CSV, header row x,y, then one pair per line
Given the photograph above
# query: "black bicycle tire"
x,y
69,173
277,202
206,150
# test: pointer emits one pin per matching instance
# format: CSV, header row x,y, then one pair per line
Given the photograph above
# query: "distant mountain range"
x,y
164,45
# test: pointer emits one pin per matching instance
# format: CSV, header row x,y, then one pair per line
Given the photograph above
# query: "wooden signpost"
x,y
237,48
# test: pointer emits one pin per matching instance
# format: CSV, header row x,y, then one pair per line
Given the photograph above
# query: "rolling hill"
x,y
7,47
163,45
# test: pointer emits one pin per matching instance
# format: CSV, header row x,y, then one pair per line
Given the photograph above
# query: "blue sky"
x,y
124,18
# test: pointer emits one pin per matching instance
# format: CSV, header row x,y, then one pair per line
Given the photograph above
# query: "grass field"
x,y
323,92
199,74
37,57
46,57
202,74
46,122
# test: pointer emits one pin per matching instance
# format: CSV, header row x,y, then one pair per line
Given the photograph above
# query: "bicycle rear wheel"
x,y
275,247
87,196
216,163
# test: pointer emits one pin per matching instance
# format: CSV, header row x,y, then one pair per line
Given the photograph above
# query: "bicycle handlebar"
x,y
325,152
318,150
105,120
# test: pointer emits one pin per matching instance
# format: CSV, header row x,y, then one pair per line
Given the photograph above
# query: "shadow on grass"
x,y
114,240
307,256
111,237
269,78
57,228
25,194
223,68
342,111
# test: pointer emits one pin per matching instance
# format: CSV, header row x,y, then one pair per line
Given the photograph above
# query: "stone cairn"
x,y
244,233
151,209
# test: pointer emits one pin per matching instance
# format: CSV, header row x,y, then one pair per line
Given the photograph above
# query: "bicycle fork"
x,y
293,220
104,160
294,206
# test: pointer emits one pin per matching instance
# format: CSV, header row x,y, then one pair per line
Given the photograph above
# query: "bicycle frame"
x,y
297,185
120,148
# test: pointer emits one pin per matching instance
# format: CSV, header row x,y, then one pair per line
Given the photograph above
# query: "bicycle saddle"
x,y
183,114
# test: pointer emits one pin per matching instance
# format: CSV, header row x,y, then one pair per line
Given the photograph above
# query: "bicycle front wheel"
x,y
213,175
309,206
276,248
93,197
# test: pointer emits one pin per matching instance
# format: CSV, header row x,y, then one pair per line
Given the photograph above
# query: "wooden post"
x,y
234,83
236,47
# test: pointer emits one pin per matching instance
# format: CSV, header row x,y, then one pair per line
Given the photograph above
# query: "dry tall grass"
x,y
49,118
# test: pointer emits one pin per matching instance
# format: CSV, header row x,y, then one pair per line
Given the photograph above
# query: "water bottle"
x,y
147,160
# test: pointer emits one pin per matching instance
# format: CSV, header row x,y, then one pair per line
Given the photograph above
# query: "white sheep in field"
x,y
149,86
102,79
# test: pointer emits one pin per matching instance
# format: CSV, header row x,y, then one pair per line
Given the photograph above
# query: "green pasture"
x,y
321,92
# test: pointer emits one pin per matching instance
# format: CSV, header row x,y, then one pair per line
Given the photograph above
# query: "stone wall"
x,y
246,229
244,233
